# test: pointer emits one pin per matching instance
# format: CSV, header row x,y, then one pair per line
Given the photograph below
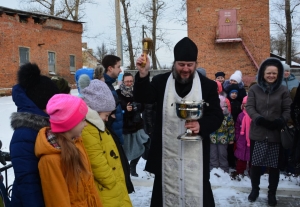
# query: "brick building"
x,y
230,35
53,43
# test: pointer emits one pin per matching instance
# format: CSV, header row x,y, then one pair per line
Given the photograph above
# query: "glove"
x,y
261,121
277,124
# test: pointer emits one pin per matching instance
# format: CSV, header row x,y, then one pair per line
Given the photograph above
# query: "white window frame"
x,y
51,62
27,56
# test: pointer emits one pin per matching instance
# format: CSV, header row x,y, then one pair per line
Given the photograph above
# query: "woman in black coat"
x,y
133,125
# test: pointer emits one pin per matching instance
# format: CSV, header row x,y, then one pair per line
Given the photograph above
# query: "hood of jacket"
x,y
24,119
42,146
23,103
260,76
94,118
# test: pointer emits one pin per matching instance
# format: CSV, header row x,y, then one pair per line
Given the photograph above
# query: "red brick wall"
x,y
61,37
253,28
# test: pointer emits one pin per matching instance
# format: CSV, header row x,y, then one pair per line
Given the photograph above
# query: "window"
x,y
51,62
24,55
72,63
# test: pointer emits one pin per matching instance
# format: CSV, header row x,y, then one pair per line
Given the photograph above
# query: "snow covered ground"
x,y
227,192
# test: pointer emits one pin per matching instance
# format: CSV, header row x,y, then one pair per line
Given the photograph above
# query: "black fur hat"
x,y
38,88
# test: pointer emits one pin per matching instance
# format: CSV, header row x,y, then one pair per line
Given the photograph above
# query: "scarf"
x,y
126,91
246,127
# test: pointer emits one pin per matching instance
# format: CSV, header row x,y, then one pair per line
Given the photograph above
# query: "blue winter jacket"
x,y
291,82
26,122
117,125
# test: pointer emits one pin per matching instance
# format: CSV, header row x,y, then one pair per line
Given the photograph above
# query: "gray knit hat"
x,y
286,66
98,96
84,81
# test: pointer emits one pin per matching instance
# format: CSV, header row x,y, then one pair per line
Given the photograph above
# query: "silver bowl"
x,y
189,110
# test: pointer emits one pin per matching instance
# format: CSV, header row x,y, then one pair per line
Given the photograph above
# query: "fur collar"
x,y
25,119
94,118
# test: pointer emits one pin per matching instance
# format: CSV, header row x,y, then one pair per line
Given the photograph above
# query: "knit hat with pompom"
x,y
39,88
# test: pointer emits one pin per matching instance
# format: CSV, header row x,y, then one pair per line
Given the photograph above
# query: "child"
x,y
242,152
234,102
31,96
64,167
109,163
222,93
220,139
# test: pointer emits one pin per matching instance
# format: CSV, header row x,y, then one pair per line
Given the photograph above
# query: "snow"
x,y
226,192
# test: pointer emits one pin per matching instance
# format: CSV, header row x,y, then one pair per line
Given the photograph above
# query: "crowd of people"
x,y
82,151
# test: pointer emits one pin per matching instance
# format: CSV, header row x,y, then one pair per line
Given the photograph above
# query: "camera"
x,y
135,106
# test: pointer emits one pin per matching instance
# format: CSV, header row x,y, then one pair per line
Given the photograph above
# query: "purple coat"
x,y
242,152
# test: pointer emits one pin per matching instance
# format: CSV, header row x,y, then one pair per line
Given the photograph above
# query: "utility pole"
x,y
118,30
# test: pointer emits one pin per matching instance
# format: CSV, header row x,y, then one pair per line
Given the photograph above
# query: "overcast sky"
x,y
100,19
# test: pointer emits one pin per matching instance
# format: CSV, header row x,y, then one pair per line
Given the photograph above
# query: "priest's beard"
x,y
178,78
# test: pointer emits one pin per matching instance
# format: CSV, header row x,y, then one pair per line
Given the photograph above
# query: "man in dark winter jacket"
x,y
112,66
31,96
181,168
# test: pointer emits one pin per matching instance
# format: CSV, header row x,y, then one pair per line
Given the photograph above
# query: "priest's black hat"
x,y
185,50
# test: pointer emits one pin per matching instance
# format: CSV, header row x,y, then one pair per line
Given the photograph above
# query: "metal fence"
x,y
7,187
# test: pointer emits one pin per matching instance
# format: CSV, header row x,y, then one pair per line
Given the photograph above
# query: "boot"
x,y
273,184
132,165
255,181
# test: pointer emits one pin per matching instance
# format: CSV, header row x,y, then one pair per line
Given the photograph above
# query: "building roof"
x,y
32,14
293,64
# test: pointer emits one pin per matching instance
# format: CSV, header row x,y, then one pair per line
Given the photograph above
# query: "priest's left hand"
x,y
193,125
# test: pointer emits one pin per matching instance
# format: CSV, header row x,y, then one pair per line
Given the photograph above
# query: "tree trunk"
x,y
52,7
288,32
128,34
76,15
154,23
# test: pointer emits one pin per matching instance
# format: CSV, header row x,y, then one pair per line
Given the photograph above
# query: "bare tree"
x,y
180,10
125,5
291,24
69,9
288,32
49,7
278,44
153,11
102,51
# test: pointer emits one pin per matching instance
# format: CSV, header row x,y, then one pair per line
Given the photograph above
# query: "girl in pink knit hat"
x,y
242,152
64,167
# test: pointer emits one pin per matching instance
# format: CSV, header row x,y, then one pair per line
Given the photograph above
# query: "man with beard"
x,y
181,168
